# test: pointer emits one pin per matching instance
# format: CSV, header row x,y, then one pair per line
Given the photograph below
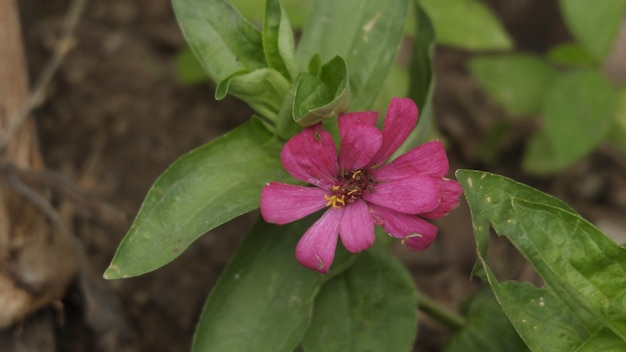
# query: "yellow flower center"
x,y
350,188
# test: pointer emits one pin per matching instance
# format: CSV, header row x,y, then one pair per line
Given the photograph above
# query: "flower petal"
x,y
366,117
417,242
450,191
316,248
282,203
428,159
360,139
356,227
410,195
400,119
310,156
417,234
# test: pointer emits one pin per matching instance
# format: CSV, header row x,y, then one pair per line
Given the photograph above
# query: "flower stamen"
x,y
335,201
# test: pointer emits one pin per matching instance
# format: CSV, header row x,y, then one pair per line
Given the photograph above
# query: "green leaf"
x,y
617,135
201,190
518,82
298,10
603,341
585,261
188,68
539,158
366,33
594,23
319,97
487,328
421,69
264,298
577,113
467,24
372,306
263,89
422,82
224,42
278,42
570,54
577,262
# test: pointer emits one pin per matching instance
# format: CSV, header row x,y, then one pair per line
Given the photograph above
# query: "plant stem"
x,y
447,317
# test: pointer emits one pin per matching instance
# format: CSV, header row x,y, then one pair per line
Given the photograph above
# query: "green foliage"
x,y
321,93
368,42
570,54
577,263
466,24
278,43
298,10
422,81
262,89
224,42
594,23
188,68
583,101
517,81
264,298
201,190
377,303
617,134
487,328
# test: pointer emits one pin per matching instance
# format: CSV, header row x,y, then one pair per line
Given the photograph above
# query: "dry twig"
x,y
38,94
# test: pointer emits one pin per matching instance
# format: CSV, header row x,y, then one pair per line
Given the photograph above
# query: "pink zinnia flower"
x,y
358,188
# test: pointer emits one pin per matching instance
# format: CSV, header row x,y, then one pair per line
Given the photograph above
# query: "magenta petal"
x,y
360,140
356,228
282,203
450,193
400,119
428,159
310,156
418,242
410,195
365,117
316,248
401,225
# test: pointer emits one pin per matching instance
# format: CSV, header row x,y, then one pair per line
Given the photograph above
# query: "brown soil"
x,y
116,116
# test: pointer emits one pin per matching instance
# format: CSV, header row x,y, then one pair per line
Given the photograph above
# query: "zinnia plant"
x,y
358,188
284,160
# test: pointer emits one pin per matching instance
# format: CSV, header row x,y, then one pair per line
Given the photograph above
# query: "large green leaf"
x,y
466,24
224,42
201,190
603,341
264,298
594,23
486,329
366,33
577,112
372,306
517,81
577,262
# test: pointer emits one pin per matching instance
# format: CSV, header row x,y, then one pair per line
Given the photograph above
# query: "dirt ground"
x,y
116,116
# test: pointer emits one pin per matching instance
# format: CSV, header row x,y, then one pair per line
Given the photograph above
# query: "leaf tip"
x,y
112,272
